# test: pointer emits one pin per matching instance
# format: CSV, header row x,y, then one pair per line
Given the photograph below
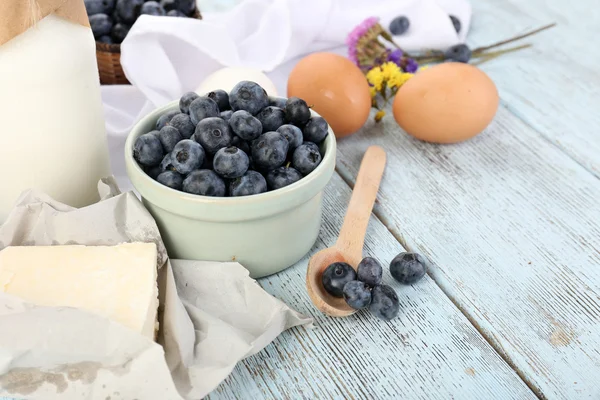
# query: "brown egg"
x,y
446,103
335,88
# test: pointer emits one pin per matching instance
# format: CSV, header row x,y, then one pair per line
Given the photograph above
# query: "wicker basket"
x,y
109,61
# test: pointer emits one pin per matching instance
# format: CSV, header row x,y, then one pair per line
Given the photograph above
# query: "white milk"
x,y
52,135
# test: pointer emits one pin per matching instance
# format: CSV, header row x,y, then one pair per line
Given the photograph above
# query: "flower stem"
x,y
503,42
490,56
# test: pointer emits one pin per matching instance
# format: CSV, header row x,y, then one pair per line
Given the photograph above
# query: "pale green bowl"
x,y
266,233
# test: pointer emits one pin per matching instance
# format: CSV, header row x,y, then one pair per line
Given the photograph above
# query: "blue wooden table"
x,y
511,223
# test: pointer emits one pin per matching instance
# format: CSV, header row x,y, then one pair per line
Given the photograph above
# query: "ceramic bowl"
x,y
266,233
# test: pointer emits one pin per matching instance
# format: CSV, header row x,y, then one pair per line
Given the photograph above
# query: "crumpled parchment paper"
x,y
212,315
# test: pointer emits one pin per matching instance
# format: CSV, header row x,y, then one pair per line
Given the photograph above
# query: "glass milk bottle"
x,y
52,132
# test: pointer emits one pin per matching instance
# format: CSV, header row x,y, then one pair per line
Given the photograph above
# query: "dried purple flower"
x,y
409,65
395,56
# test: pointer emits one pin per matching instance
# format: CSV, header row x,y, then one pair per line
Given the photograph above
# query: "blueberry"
x,y
213,134
306,158
456,23
221,98
316,130
169,137
241,144
187,156
186,100
244,125
203,107
250,183
153,172
167,163
269,151
106,39
384,303
282,177
293,134
399,25
408,268
153,8
204,182
176,13
369,271
336,276
183,123
357,294
249,96
297,111
99,6
271,118
186,6
164,119
119,32
226,115
278,102
231,162
169,5
101,25
128,10
459,53
172,179
148,150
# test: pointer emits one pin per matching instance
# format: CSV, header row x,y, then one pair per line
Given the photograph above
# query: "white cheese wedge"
x,y
116,282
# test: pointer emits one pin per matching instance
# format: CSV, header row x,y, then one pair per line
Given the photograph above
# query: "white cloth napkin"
x,y
164,57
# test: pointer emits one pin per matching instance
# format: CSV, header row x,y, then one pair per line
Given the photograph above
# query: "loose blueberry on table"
x,y
241,143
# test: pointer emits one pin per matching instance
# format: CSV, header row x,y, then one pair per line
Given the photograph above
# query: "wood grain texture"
x,y
512,225
554,87
430,351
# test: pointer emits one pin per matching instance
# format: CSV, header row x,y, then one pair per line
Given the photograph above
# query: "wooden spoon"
x,y
349,245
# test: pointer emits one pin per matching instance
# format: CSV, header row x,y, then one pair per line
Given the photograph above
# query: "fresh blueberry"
x,y
203,107
119,32
269,151
316,130
148,150
459,53
221,98
172,179
271,118
231,162
408,268
169,5
167,163
241,144
186,100
293,134
99,6
187,156
153,172
183,123
153,8
250,183
399,25
186,6
456,23
384,303
282,177
176,13
245,125
101,25
357,294
279,102
213,134
370,271
169,137
164,119
128,10
306,158
297,111
249,96
336,276
226,115
204,182
155,133
106,39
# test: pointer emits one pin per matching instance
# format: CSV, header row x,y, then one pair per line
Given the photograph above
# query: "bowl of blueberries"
x,y
235,176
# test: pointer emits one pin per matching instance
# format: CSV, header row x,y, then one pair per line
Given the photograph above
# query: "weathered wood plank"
x,y
513,227
431,351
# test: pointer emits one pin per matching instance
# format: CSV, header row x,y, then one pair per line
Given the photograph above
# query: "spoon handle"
x,y
352,235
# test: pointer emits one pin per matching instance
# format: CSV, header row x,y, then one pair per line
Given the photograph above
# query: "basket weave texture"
x,y
109,61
